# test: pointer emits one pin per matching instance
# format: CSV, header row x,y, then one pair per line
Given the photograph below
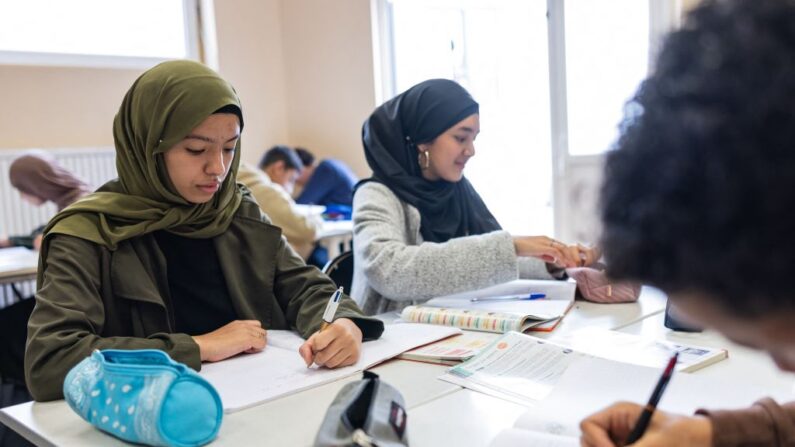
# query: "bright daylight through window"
x,y
78,30
499,51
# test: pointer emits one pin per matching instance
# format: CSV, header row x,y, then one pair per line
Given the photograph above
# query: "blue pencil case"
x,y
144,397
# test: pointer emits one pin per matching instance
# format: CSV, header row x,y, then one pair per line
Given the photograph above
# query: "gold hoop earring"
x,y
424,159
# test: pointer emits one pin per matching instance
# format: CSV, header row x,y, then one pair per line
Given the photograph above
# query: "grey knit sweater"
x,y
394,268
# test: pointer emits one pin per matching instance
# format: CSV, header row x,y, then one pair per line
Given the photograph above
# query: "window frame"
x,y
192,37
663,16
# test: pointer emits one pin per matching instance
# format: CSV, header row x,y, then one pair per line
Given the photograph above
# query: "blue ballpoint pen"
x,y
532,296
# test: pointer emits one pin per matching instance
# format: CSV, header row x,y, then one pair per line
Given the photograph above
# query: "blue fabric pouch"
x,y
144,397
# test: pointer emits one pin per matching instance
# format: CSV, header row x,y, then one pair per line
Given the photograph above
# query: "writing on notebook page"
x,y
278,370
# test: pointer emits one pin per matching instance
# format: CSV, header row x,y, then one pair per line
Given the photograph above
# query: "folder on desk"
x,y
503,315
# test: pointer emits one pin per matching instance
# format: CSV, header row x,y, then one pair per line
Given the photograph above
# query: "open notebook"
x,y
501,315
539,428
251,379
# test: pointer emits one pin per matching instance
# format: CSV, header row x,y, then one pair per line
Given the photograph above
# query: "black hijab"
x,y
390,137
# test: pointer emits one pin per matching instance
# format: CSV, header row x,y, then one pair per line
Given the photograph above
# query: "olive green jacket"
x,y
93,298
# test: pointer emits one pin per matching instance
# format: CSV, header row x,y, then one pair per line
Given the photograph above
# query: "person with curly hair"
x,y
698,201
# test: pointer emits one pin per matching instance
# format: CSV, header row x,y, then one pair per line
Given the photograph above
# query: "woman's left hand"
x,y
340,344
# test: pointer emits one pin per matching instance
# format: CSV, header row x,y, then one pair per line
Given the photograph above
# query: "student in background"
x,y
174,254
699,200
282,166
40,179
330,182
300,229
420,228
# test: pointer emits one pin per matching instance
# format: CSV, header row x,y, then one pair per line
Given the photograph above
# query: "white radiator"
x,y
94,166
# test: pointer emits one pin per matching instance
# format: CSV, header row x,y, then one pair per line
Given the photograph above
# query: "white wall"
x,y
302,68
250,56
329,73
59,106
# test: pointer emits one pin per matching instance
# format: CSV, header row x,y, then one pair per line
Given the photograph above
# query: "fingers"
x,y
334,347
588,255
256,323
594,435
232,339
612,423
307,351
338,355
572,254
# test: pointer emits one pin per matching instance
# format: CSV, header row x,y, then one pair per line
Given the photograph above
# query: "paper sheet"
x,y
251,379
514,437
559,296
526,367
632,348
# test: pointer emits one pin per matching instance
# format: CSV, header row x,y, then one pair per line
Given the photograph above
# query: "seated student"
x,y
698,201
420,228
330,182
299,228
174,255
282,166
40,179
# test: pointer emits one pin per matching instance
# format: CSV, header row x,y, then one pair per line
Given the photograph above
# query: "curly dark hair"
x,y
699,194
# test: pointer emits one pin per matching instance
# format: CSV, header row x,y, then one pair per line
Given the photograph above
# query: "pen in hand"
x,y
532,296
307,350
331,309
643,421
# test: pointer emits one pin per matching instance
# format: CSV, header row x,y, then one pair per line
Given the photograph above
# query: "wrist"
x,y
701,430
200,343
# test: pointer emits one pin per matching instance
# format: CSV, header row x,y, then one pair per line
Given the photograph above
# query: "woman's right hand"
x,y
238,336
611,426
546,249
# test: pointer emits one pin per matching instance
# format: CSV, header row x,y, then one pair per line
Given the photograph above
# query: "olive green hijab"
x,y
160,109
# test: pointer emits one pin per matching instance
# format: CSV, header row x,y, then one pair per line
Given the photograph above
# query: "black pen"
x,y
648,411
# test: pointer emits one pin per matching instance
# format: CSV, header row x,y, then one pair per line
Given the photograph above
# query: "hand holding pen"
x,y
643,421
337,343
614,425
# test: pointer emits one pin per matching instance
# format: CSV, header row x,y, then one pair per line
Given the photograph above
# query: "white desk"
x,y
439,413
474,419
335,236
18,264
290,421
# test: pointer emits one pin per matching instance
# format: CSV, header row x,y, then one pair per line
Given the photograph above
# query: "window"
x,y
97,32
551,78
497,49
607,55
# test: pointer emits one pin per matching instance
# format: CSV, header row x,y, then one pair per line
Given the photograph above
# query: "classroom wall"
x,y
329,76
59,106
303,70
250,56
